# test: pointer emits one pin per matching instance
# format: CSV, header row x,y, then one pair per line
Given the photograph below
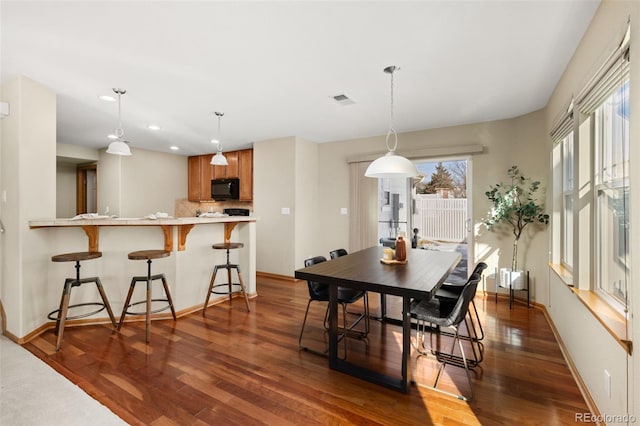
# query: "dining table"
x,y
417,278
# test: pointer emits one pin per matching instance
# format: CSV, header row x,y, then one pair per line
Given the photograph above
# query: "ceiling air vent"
x,y
343,99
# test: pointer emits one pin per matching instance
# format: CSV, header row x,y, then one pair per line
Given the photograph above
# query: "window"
x,y
611,176
567,202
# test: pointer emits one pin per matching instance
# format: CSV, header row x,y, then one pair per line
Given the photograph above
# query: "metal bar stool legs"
x,y
61,315
147,255
229,284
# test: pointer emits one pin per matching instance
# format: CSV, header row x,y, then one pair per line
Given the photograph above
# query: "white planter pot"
x,y
517,279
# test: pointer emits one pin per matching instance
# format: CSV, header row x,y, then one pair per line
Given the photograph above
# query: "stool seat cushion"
x,y
148,254
76,257
227,246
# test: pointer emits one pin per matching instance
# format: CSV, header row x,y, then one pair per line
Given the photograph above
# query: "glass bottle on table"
x,y
401,248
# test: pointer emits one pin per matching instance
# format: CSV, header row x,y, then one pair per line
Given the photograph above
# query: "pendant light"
x,y
119,146
391,165
219,159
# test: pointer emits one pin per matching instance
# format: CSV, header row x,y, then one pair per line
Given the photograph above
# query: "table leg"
x,y
406,343
333,326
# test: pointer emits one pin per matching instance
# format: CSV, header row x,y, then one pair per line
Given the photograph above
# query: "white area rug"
x,y
32,393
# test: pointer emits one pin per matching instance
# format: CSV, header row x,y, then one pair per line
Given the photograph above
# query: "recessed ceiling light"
x,y
153,127
174,148
112,136
107,98
216,141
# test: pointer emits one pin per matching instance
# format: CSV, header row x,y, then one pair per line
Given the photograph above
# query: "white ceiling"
x,y
273,67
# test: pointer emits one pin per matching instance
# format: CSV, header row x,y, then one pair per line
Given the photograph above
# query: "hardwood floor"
x,y
234,367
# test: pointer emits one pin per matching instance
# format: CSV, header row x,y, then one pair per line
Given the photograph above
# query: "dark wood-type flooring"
x,y
234,367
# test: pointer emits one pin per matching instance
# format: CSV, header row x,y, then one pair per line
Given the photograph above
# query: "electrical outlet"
x,y
607,383
343,211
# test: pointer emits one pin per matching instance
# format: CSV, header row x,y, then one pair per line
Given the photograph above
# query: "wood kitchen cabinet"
x,y
194,179
245,161
206,174
201,172
230,170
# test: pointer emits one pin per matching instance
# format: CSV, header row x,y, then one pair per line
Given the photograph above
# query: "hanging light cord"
x,y
391,70
119,131
219,114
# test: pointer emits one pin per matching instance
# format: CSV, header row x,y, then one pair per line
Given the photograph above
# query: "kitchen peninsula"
x,y
188,268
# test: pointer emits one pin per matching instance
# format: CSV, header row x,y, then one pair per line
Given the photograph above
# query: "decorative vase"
x,y
401,249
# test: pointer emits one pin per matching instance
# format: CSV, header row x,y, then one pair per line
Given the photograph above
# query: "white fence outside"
x,y
442,219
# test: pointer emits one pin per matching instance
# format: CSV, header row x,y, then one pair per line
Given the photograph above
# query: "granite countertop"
x,y
123,221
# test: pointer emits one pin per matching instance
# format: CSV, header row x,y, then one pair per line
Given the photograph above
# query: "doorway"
x,y
86,188
434,211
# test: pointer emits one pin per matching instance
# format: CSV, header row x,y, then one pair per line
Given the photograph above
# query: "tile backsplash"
x,y
186,208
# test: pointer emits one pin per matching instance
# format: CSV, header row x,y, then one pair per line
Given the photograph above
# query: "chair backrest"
x,y
461,307
316,289
480,267
338,253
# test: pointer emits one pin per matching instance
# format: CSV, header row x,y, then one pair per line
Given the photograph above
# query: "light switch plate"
x,y
343,211
285,210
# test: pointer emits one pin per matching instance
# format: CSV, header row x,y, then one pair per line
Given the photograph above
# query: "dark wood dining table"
x,y
419,277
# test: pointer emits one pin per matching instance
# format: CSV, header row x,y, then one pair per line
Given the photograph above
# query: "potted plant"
x,y
514,207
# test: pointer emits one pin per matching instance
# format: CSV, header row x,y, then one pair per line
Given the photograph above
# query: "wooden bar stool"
x,y
230,290
61,315
147,255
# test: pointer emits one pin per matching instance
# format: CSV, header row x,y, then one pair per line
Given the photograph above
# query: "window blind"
x,y
607,78
563,125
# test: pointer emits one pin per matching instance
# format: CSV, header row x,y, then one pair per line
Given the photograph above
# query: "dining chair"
x,y
319,292
444,315
450,291
334,254
338,253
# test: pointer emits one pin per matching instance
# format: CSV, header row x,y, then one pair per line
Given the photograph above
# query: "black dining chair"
x,y
334,254
319,292
450,291
338,253
444,315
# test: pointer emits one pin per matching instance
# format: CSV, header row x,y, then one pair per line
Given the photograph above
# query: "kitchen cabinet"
x,y
245,161
201,172
230,170
206,174
194,179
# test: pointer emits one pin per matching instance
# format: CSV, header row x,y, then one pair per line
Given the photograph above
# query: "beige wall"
x,y
28,176
518,141
274,172
313,180
144,183
66,190
306,202
590,347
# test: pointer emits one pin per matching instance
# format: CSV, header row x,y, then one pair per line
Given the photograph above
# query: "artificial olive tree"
x,y
514,206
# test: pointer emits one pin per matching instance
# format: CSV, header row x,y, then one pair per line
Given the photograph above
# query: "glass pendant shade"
x,y
219,159
118,147
391,165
